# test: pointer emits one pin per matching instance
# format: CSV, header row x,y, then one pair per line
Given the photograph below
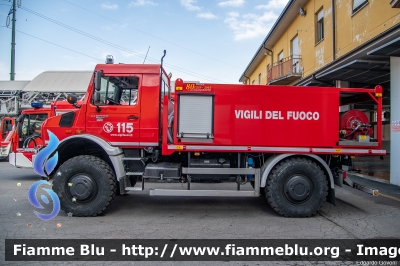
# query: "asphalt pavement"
x,y
137,215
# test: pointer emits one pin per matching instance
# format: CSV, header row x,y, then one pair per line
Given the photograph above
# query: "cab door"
x,y
115,115
6,126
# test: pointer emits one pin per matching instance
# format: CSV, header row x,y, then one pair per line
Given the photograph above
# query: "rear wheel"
x,y
296,187
85,184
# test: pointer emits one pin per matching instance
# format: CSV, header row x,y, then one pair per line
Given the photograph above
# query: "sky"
x,y
209,41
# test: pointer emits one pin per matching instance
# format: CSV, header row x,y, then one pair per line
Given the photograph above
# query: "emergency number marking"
x,y
125,127
197,87
121,127
276,115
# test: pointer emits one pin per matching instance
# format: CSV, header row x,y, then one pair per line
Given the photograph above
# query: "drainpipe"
x,y
272,54
333,31
272,58
247,78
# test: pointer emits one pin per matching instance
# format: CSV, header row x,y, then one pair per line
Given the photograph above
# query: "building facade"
x,y
310,34
337,43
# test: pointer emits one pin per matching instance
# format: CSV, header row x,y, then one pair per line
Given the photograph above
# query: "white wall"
x,y
394,116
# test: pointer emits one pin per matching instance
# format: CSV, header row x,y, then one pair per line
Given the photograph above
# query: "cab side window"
x,y
118,91
32,124
7,127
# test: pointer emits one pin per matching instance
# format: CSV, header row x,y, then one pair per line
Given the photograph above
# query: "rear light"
x,y
344,174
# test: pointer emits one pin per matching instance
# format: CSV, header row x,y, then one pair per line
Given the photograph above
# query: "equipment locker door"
x,y
115,117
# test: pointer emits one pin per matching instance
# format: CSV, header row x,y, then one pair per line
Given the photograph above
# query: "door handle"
x,y
133,117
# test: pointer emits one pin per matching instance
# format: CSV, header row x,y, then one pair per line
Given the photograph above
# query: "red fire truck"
x,y
24,139
290,143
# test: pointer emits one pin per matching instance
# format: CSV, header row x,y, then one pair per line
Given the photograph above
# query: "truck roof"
x,y
129,68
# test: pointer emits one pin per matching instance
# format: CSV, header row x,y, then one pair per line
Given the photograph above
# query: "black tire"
x,y
85,184
5,158
296,187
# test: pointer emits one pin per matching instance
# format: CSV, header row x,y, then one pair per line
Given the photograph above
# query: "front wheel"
x,y
85,184
296,187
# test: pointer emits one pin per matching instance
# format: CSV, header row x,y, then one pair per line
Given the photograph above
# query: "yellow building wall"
x,y
352,30
261,69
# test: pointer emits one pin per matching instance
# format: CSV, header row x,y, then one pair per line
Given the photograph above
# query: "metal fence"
x,y
288,66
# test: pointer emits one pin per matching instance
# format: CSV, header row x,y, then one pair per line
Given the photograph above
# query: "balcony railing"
x,y
285,71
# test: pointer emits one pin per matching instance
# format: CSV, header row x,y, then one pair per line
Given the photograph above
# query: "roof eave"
x,y
272,32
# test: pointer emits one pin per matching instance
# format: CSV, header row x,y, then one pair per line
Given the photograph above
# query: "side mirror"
x,y
72,99
20,118
19,129
96,100
96,97
97,80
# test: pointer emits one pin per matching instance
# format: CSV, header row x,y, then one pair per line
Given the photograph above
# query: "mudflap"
x,y
331,196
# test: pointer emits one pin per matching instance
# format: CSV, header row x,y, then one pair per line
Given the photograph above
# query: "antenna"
x,y
146,55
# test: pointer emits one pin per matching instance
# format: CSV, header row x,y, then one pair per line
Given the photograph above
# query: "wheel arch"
x,y
91,145
272,161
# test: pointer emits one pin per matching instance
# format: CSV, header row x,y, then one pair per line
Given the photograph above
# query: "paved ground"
x,y
374,166
134,216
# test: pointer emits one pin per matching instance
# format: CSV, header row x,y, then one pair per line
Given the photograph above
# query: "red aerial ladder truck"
x,y
34,96
290,143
